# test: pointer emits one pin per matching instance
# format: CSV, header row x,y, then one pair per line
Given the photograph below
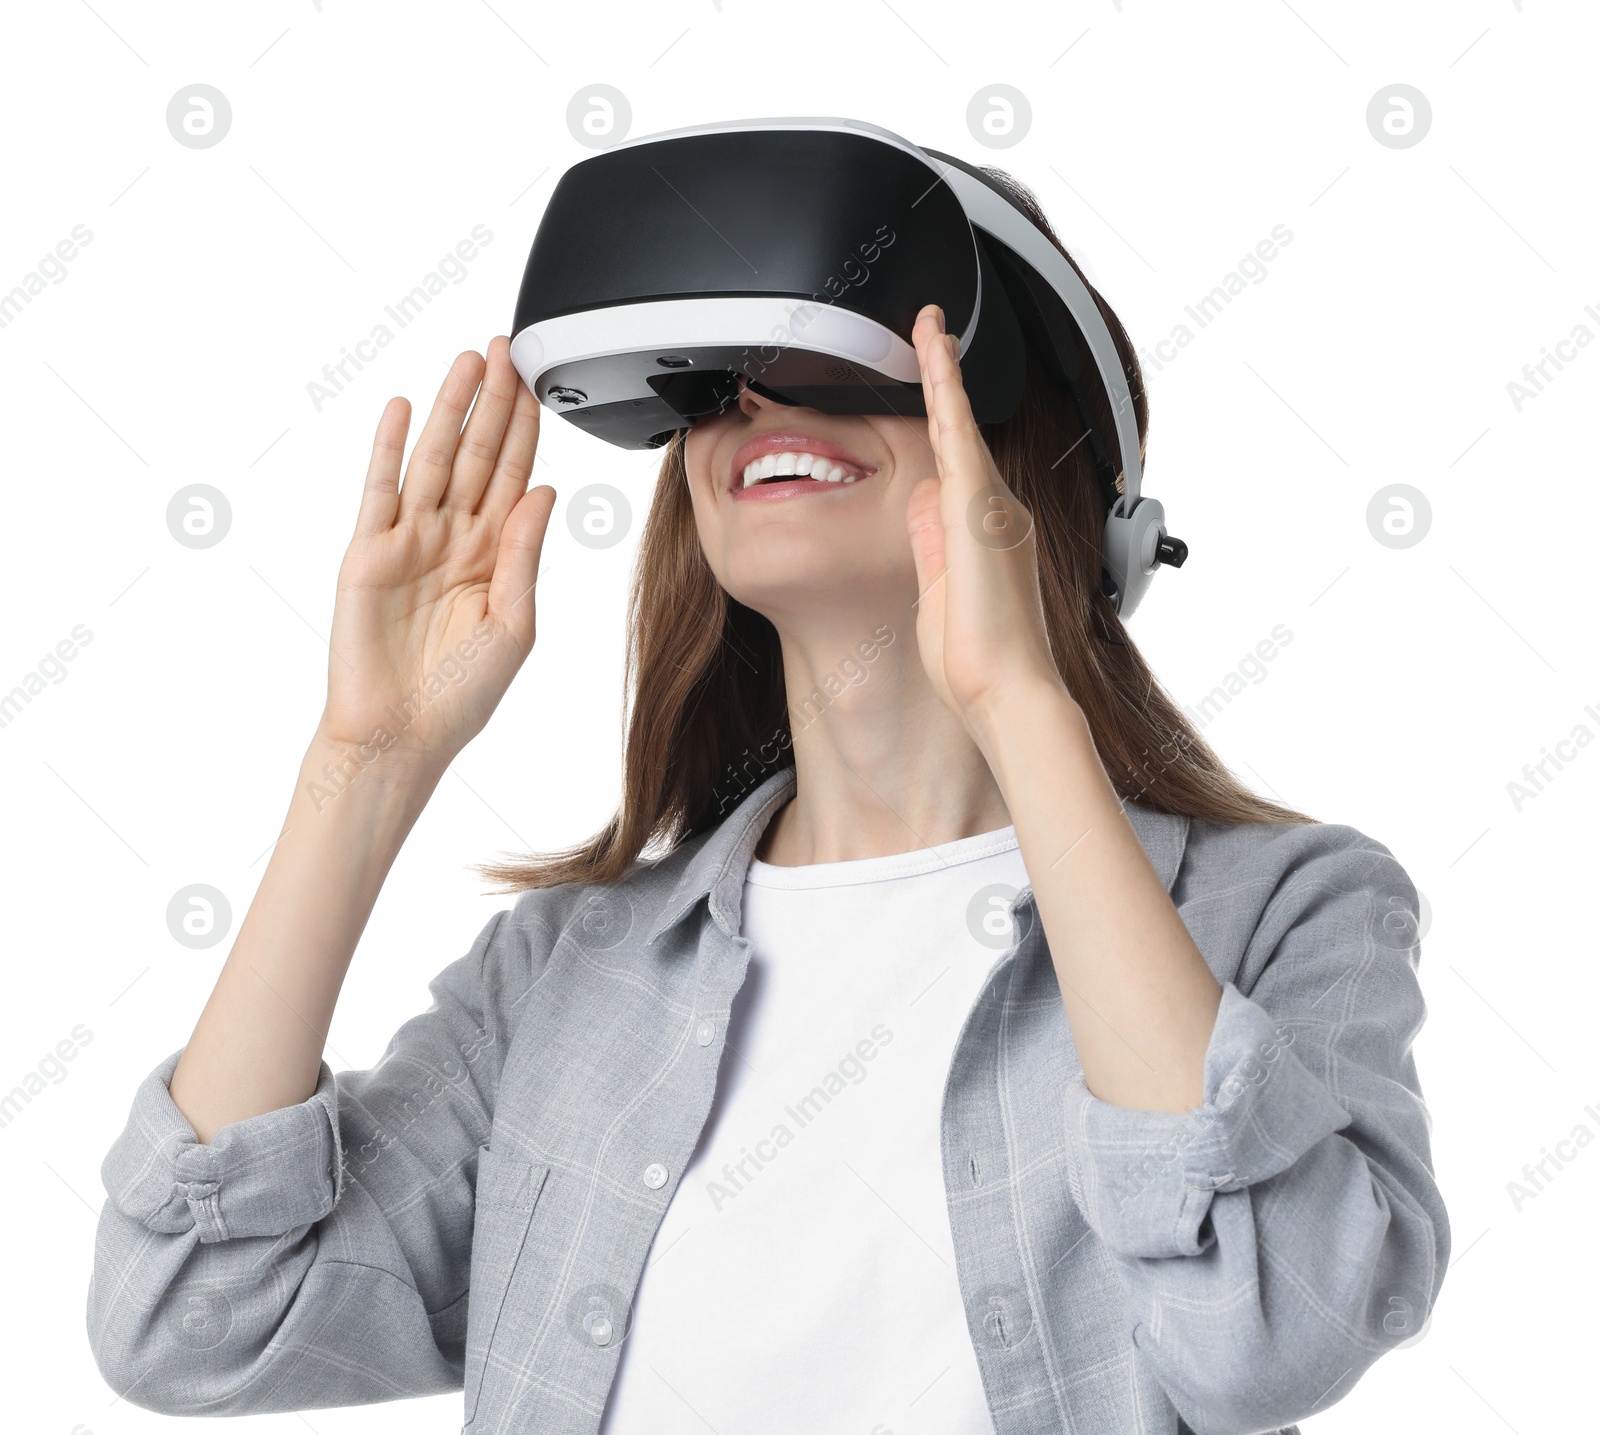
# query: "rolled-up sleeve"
x,y
317,1255
259,1177
1148,1178
1277,1239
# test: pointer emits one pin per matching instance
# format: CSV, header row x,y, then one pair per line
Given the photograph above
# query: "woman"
x,y
938,1039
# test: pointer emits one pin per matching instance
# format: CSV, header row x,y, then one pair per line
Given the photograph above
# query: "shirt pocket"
x,y
508,1190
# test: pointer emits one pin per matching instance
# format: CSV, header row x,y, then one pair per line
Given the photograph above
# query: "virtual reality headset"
x,y
794,255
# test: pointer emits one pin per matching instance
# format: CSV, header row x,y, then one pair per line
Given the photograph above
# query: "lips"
x,y
784,462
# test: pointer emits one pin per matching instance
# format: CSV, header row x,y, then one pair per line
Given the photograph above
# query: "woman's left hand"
x,y
980,621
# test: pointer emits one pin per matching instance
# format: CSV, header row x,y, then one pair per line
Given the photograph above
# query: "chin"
x,y
809,575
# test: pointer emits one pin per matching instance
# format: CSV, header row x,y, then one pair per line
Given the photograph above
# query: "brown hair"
x,y
708,717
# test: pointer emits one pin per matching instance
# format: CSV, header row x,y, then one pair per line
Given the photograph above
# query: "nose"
x,y
751,403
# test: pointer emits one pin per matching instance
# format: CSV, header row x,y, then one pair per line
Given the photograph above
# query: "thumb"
x,y
516,567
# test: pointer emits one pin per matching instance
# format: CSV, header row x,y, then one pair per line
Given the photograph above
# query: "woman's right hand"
x,y
435,612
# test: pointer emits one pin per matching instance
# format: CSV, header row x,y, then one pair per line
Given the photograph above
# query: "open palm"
x,y
980,621
435,606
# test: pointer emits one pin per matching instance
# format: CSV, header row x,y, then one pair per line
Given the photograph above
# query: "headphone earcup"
x,y
1129,551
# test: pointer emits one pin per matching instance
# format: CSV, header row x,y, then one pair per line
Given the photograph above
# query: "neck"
x,y
882,766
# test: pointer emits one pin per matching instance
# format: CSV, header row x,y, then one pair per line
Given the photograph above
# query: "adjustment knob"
x,y
1171,551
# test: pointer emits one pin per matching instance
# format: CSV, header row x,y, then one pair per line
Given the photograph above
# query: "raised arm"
x,y
278,1238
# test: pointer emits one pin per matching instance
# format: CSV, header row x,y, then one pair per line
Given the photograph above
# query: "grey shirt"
x,y
475,1212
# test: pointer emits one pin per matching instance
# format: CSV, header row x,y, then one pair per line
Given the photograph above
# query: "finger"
x,y
965,467
380,497
479,445
516,566
515,463
432,458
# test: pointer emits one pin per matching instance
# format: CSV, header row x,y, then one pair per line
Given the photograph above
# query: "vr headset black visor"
x,y
795,254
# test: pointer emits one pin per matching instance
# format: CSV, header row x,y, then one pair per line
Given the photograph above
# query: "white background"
x,y
1166,140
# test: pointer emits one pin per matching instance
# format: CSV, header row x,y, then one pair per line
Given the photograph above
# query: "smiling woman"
x,y
1144,1146
707,673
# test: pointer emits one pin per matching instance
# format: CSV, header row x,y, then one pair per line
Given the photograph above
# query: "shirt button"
x,y
600,1330
705,1031
655,1175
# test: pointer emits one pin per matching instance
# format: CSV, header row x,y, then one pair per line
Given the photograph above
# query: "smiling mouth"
x,y
791,464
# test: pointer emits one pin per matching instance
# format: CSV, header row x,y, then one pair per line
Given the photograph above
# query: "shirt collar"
x,y
717,870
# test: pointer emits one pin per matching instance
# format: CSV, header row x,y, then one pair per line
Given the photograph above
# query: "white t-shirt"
x,y
803,1280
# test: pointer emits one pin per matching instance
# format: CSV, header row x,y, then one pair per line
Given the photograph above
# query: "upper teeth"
x,y
801,464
